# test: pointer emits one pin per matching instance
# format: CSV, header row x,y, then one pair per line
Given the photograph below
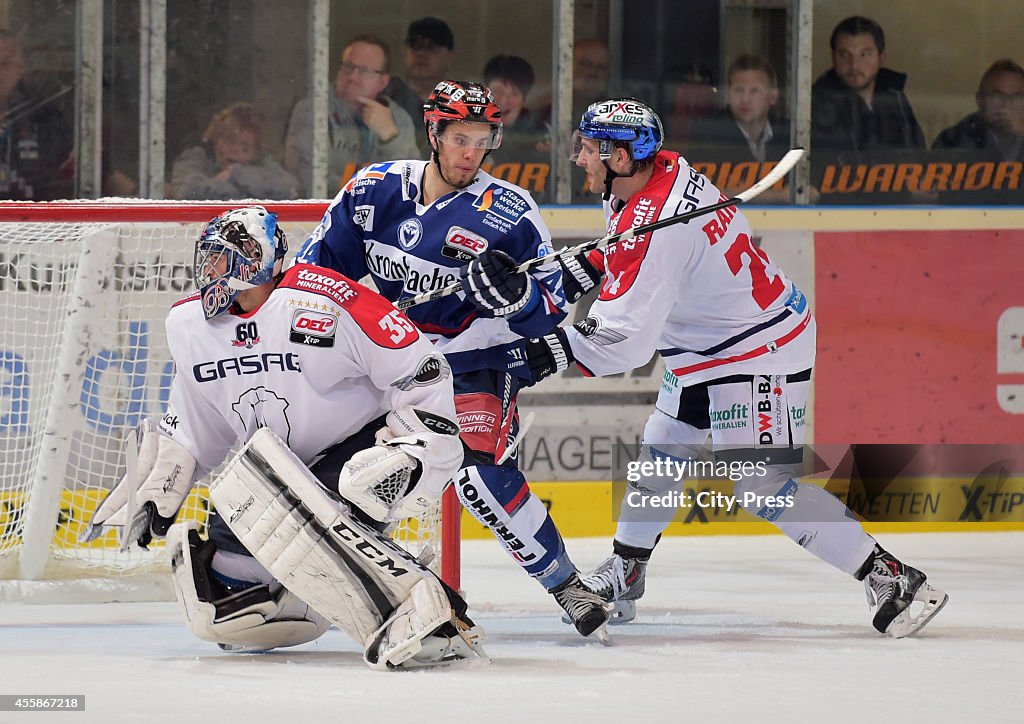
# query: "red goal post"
x,y
84,290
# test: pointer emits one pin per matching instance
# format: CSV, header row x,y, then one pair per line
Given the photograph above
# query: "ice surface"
x,y
744,629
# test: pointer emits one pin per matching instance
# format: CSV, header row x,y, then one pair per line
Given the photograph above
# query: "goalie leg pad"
x,y
311,543
260,618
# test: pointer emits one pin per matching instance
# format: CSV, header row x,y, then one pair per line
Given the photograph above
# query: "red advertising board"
x,y
907,336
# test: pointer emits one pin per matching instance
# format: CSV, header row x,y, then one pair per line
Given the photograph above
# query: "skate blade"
x,y
906,624
603,636
473,638
622,613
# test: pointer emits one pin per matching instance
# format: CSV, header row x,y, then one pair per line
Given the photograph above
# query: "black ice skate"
x,y
584,608
892,586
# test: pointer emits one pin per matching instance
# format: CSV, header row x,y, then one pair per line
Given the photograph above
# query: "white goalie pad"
x,y
261,618
162,479
310,543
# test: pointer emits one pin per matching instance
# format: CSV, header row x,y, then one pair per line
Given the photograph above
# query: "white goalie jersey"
x,y
321,358
701,294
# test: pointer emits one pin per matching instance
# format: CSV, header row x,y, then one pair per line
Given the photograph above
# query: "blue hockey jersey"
x,y
377,226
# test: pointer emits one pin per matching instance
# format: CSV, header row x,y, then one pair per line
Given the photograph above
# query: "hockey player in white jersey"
x,y
737,337
419,226
308,371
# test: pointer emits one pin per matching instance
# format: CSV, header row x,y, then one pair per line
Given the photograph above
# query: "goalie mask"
x,y
240,249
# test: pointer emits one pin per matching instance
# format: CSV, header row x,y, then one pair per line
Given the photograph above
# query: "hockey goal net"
x,y
84,290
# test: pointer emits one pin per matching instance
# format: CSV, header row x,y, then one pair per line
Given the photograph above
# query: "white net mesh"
x,y
83,359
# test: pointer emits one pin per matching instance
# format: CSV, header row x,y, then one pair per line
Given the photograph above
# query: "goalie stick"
x,y
132,529
783,167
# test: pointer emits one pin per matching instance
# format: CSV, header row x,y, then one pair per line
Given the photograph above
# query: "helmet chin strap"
x,y
435,157
611,175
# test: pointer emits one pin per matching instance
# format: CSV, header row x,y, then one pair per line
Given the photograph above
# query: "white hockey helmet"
x,y
238,250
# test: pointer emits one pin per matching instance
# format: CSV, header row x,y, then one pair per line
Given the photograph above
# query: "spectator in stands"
x,y
365,125
591,65
996,131
525,137
229,163
694,97
994,134
429,53
859,105
36,133
743,130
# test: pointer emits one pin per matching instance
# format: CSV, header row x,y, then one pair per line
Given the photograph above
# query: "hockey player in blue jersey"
x,y
418,226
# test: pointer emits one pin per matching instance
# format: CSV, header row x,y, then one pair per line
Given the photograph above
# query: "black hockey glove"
x,y
491,283
579,275
548,355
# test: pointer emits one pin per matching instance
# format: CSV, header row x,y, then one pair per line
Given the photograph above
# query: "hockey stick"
x,y
527,421
783,167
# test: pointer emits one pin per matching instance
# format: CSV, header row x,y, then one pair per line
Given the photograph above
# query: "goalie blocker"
x,y
393,606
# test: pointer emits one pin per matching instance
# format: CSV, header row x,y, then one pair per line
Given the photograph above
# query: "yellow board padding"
x,y
589,509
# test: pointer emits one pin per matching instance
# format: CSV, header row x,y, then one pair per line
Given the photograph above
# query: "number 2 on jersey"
x,y
765,290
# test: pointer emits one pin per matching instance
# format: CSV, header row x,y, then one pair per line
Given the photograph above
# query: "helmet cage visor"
x,y
606,137
467,134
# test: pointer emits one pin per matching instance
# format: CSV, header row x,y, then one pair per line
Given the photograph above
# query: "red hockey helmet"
x,y
462,101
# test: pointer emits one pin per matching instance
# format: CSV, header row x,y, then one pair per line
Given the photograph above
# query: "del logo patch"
x,y
315,329
463,244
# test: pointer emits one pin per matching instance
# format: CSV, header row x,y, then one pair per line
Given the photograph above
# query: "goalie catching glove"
x,y
402,476
492,283
161,483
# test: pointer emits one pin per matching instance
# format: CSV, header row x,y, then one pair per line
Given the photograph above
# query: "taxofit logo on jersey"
x,y
771,410
731,418
463,244
503,203
430,370
314,329
337,289
363,217
409,233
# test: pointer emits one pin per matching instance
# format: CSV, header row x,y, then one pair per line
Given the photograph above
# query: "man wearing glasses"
x,y
429,53
996,130
992,135
364,124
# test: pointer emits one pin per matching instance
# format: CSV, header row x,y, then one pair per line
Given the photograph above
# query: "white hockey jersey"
x,y
702,294
321,358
